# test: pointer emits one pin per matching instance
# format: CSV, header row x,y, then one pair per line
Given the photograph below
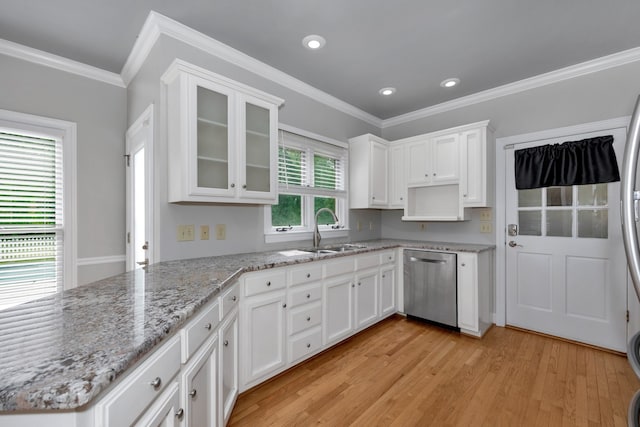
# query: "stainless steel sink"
x,y
346,247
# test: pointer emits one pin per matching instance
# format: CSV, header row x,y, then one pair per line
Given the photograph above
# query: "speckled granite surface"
x,y
60,352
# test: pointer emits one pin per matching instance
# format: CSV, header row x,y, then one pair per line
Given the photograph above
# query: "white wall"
x,y
593,97
244,223
99,109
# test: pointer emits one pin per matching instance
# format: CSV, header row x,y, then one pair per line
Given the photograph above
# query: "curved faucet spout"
x,y
316,233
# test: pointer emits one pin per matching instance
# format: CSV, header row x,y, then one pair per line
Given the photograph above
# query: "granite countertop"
x,y
62,351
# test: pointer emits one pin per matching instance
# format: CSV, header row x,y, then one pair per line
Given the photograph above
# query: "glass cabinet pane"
x,y
213,139
257,148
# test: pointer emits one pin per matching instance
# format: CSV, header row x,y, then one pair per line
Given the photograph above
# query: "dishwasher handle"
x,y
430,261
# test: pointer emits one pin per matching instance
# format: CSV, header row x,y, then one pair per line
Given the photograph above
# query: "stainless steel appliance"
x,y
629,198
430,286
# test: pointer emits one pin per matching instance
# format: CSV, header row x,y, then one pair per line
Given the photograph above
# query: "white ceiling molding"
x,y
588,67
58,62
157,24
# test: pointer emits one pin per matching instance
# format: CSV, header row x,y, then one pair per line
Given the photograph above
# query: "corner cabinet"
x,y
221,138
474,292
368,172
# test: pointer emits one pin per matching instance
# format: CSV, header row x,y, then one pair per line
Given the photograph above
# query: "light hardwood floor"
x,y
405,373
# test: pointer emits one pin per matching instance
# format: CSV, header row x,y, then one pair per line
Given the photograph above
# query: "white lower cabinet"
x,y
338,309
165,411
366,298
474,271
229,385
199,397
387,290
263,340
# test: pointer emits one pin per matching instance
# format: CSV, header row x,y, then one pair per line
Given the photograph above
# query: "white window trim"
x,y
306,233
67,132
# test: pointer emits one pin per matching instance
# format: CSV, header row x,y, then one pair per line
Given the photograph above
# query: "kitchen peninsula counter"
x,y
61,352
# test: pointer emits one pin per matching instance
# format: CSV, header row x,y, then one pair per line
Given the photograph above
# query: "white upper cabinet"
x,y
477,154
434,160
397,176
221,136
368,172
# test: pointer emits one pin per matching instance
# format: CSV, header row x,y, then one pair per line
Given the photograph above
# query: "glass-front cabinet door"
x,y
213,167
258,155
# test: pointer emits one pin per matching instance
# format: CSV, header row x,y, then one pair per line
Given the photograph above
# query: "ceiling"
x,y
411,45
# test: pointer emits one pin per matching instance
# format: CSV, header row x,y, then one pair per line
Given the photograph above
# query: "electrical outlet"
x,y
204,232
189,232
485,227
221,231
485,214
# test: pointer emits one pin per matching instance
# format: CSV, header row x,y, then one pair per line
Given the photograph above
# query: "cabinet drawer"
x,y
305,317
199,329
367,261
339,266
305,294
307,273
304,345
258,283
229,299
388,257
129,399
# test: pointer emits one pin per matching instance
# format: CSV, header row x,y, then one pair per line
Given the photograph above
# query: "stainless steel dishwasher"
x,y
430,287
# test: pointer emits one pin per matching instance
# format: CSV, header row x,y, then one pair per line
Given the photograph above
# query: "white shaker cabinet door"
x,y
338,305
366,298
467,292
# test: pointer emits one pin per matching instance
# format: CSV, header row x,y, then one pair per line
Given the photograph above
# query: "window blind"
x,y
31,223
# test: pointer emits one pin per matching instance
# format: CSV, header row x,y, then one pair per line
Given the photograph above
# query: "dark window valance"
x,y
589,161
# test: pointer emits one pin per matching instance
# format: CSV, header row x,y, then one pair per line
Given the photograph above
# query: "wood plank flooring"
x,y
405,373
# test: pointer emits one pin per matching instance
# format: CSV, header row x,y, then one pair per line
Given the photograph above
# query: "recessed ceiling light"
x,y
387,91
449,82
313,42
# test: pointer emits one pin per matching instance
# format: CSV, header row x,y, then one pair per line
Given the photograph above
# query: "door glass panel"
x,y
593,223
257,148
560,222
530,223
559,196
530,198
592,195
213,155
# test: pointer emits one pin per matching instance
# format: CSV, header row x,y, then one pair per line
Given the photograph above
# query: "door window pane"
x,y
592,195
288,211
530,223
530,198
559,196
560,223
593,223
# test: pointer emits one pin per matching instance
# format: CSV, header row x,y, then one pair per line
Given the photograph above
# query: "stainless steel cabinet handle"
x,y
284,305
244,186
180,413
308,275
431,261
234,298
308,345
207,326
226,343
268,283
308,318
157,382
193,393
308,296
233,185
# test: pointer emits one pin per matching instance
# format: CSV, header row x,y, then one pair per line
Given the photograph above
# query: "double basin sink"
x,y
346,247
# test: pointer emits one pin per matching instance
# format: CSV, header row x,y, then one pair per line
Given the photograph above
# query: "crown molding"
x,y
157,24
588,67
59,63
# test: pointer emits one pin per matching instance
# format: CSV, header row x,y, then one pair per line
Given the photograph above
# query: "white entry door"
x,y
566,269
139,155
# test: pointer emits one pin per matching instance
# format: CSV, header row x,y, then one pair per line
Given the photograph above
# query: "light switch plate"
x,y
221,231
189,232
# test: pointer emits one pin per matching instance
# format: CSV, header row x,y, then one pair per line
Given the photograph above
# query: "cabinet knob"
x,y
180,413
383,276
268,283
207,326
308,318
157,382
308,345
233,185
462,265
373,198
284,305
234,298
308,296
193,393
464,195
244,186
401,198
426,174
359,283
353,286
308,275
226,343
